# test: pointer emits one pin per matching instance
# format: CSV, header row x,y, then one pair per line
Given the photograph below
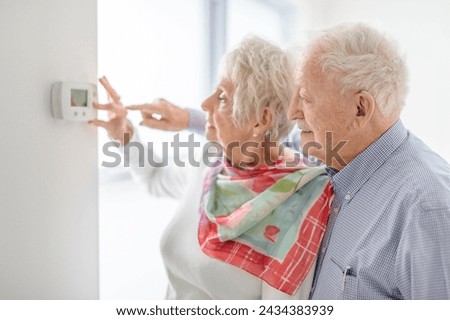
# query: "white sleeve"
x,y
166,180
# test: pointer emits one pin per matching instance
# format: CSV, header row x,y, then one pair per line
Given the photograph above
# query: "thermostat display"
x,y
73,101
78,98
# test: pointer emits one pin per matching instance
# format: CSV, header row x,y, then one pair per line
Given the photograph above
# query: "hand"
x,y
163,115
118,126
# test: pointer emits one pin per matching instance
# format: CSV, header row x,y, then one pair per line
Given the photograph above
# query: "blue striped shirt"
x,y
388,235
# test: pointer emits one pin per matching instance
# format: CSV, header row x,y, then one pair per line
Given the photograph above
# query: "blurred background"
x,y
171,49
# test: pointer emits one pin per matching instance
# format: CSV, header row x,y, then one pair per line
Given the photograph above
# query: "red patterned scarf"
x,y
268,221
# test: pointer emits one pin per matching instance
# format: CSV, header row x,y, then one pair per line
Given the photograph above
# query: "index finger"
x,y
147,108
112,93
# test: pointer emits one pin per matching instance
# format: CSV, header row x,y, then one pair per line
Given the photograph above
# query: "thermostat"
x,y
73,101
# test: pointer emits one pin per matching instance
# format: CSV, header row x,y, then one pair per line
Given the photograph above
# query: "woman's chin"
x,y
211,135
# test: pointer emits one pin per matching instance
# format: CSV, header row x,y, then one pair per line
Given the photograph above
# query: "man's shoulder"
x,y
417,159
416,167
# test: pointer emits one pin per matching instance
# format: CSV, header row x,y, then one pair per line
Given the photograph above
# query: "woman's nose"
x,y
207,104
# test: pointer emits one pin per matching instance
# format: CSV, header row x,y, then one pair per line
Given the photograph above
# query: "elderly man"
x,y
388,235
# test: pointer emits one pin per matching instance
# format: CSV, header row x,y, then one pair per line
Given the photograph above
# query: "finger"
x,y
113,107
111,92
99,106
159,101
99,123
147,108
153,123
136,107
109,89
155,116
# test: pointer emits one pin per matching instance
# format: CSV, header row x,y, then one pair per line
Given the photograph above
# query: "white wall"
x,y
48,167
422,29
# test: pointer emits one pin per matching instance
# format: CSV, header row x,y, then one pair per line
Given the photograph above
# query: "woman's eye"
x,y
222,97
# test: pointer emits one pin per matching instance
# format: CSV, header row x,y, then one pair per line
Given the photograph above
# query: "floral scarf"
x,y
268,221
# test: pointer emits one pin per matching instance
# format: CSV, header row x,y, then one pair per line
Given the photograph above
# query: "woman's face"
x,y
220,127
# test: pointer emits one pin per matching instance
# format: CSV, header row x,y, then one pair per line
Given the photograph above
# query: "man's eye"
x,y
304,99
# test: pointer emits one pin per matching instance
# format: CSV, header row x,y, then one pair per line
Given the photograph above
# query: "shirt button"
x,y
323,250
348,197
336,210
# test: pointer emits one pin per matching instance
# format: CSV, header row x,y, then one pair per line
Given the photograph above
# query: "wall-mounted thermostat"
x,y
73,101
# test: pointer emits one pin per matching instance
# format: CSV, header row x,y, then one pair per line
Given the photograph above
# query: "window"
x,y
147,49
170,49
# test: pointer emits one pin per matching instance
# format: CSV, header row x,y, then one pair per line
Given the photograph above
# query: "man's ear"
x,y
364,108
265,121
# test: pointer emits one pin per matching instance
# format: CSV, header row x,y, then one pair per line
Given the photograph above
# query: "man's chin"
x,y
307,139
310,147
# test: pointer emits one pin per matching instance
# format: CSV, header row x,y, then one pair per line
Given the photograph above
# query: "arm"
x,y
164,115
156,174
197,121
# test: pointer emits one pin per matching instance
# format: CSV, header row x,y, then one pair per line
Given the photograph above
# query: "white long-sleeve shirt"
x,y
191,273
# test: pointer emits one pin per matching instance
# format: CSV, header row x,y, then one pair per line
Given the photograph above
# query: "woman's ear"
x,y
265,121
364,108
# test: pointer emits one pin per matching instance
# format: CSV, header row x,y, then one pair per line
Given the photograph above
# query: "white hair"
x,y
358,57
262,76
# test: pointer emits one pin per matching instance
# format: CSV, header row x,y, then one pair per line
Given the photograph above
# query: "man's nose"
x,y
295,110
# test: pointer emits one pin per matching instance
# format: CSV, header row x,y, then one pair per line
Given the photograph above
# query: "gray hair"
x,y
359,57
262,76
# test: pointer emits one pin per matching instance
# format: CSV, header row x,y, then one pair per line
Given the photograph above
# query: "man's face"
x,y
322,113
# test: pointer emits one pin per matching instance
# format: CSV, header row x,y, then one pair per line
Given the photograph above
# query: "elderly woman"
x,y
250,226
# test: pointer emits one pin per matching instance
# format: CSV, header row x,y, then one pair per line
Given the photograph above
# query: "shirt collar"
x,y
351,178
